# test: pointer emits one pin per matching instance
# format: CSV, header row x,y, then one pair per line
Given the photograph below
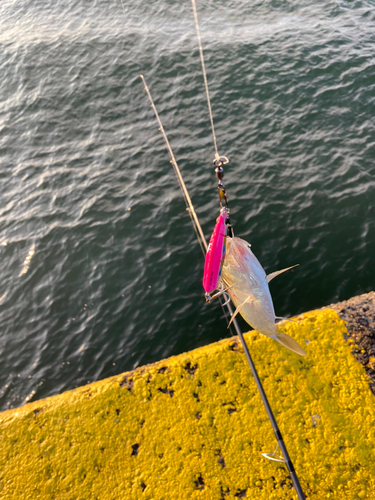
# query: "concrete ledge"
x,y
193,426
359,315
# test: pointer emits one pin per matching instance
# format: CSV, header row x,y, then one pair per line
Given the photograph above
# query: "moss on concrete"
x,y
194,427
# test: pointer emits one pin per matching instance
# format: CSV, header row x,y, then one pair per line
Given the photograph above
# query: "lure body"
x,y
247,285
215,255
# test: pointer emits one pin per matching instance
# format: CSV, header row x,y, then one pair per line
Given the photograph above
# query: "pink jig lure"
x,y
215,256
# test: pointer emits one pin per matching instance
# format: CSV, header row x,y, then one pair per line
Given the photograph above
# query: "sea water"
x,y
100,268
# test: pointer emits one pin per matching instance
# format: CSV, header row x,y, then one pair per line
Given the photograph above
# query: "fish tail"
x,y
289,343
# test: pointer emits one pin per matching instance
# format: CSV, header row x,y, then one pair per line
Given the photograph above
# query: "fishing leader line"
x,y
219,162
205,76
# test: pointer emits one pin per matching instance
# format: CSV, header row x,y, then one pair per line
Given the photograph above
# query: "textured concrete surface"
x,y
359,314
193,426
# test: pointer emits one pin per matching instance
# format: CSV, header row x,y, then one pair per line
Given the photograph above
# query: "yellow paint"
x,y
193,427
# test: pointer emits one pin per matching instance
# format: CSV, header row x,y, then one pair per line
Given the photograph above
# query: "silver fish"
x,y
247,286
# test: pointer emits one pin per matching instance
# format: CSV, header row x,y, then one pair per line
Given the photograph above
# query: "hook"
x,y
210,297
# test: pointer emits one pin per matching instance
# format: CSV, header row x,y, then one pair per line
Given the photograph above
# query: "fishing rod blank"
x,y
276,430
185,194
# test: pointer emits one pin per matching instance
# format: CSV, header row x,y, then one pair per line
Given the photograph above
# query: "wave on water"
x,y
101,271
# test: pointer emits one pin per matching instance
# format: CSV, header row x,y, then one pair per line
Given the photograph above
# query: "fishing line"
x,y
123,7
271,417
205,76
219,162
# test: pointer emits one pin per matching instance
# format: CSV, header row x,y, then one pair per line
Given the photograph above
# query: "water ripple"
x,y
114,277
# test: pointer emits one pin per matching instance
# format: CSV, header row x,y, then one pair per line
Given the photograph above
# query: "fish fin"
x,y
248,298
286,319
289,343
270,277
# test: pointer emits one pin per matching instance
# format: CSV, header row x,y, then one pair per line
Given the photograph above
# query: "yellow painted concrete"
x,y
193,427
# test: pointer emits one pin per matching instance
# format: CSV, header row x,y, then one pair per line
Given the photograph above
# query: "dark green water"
x,y
114,275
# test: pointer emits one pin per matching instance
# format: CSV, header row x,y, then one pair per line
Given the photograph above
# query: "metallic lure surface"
x,y
215,255
247,285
